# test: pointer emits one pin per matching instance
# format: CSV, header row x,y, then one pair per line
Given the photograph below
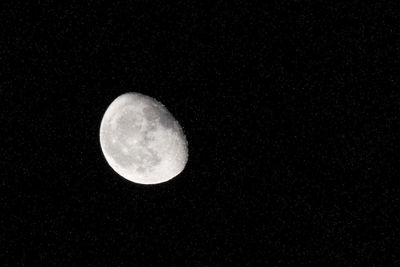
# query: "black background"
x,y
289,107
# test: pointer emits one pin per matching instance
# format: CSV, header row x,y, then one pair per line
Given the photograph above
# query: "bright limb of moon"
x,y
141,140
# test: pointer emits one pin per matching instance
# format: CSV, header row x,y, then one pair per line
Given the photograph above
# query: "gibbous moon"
x,y
141,140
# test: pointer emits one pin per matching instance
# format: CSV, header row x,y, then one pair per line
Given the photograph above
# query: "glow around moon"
x,y
141,140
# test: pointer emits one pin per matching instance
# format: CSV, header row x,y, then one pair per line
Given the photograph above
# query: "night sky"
x,y
289,108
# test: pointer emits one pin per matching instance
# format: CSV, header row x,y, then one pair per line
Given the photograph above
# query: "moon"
x,y
142,141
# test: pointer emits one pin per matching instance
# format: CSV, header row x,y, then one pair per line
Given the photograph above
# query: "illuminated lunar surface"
x,y
141,140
